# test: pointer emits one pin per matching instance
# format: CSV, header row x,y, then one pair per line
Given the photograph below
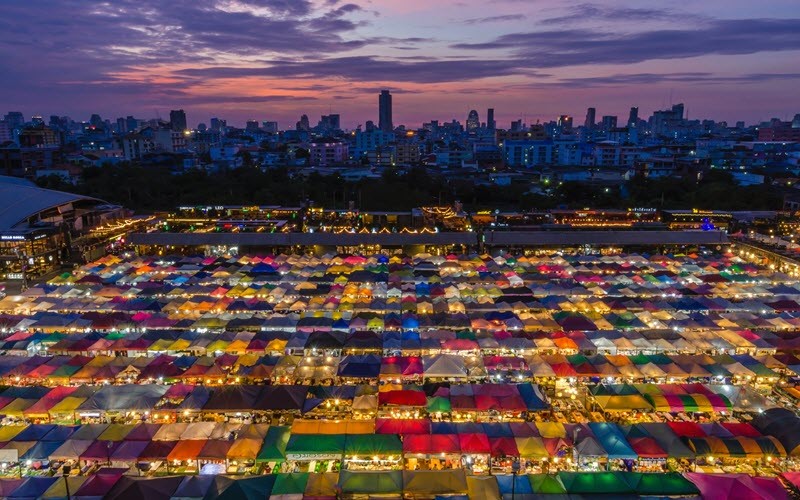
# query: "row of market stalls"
x,y
678,398
390,316
91,367
163,403
110,484
409,342
388,444
381,293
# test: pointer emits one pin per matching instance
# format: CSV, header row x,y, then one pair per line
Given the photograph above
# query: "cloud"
x,y
494,19
639,79
369,69
559,48
592,12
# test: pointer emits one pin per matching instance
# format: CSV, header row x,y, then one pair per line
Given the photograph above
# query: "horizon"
x,y
242,59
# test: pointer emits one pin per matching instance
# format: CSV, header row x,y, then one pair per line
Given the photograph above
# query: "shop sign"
x,y
313,456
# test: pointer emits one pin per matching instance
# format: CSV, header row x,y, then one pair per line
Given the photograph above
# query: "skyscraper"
x,y
15,120
490,123
590,118
131,124
385,111
633,117
177,120
303,124
473,121
609,122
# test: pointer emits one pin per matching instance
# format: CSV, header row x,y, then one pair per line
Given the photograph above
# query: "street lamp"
x,y
65,472
514,471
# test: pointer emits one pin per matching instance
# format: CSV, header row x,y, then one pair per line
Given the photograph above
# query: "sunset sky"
x,y
276,59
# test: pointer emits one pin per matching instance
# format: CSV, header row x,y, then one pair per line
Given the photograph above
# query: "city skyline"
x,y
274,61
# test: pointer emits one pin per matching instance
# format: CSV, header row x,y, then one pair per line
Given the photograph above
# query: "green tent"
x,y
660,484
315,447
546,484
232,488
290,484
586,483
371,482
274,447
639,359
465,334
373,445
439,404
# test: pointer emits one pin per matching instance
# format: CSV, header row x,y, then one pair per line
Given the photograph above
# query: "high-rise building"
x,y
131,124
564,123
270,127
251,126
633,116
177,120
490,123
5,132
329,123
303,124
15,120
678,111
473,121
218,124
591,114
609,122
385,111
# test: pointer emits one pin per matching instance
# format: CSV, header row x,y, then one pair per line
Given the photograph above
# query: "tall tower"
x,y
633,117
590,118
473,121
385,111
177,120
490,123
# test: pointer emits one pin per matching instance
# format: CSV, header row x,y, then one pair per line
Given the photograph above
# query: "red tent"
x,y
474,443
402,426
403,398
647,447
742,430
431,444
504,447
687,429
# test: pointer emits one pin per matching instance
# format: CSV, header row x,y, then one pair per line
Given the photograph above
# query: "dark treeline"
x,y
159,188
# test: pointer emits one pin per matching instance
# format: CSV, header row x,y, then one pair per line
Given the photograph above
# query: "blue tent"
x,y
612,440
34,487
521,485
533,398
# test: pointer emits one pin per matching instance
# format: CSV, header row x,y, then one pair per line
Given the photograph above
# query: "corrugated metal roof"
x,y
545,238
307,239
493,238
20,200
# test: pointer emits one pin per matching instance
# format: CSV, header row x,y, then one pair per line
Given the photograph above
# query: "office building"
x,y
609,122
385,111
177,120
589,122
633,116
473,121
